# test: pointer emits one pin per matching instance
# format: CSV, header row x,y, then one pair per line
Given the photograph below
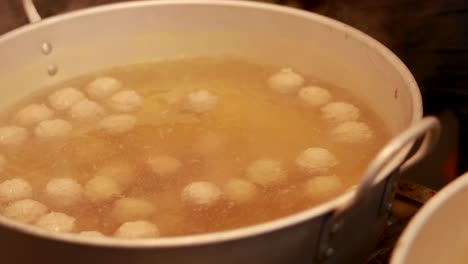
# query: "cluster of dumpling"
x,y
67,105
318,162
342,115
103,104
107,185
198,194
265,173
17,194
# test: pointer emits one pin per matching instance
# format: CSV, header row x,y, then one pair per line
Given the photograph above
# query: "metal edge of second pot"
x,y
244,232
404,244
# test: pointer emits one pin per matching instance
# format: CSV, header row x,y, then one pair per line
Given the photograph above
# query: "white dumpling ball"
x,y
15,189
64,98
2,163
338,112
25,211
86,110
101,189
33,114
103,87
123,172
91,234
286,81
64,192
163,165
266,172
12,136
239,190
352,132
316,161
201,193
137,229
118,124
314,96
130,209
57,222
323,187
201,101
125,101
55,128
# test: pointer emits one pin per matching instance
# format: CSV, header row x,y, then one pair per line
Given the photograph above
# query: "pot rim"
x,y
233,234
419,221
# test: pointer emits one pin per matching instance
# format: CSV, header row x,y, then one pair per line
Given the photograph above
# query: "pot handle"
x,y
428,127
31,11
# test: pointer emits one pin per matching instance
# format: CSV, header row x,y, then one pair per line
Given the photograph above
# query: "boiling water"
x,y
250,122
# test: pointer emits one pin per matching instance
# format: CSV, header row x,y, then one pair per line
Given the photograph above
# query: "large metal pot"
x,y
439,232
340,231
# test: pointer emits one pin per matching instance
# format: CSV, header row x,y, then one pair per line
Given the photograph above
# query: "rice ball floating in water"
x,y
55,128
33,114
314,96
125,101
240,191
316,161
323,187
91,234
286,81
86,110
63,192
101,189
57,222
337,112
25,211
163,165
121,171
201,101
12,136
64,98
15,189
352,132
266,172
131,209
102,88
137,229
201,193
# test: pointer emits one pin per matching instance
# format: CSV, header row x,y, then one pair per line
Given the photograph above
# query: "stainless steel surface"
x,y
294,239
438,233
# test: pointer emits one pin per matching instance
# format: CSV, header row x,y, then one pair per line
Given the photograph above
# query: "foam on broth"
x,y
250,122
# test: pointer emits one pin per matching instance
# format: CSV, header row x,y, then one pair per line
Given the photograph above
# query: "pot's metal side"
x,y
361,227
